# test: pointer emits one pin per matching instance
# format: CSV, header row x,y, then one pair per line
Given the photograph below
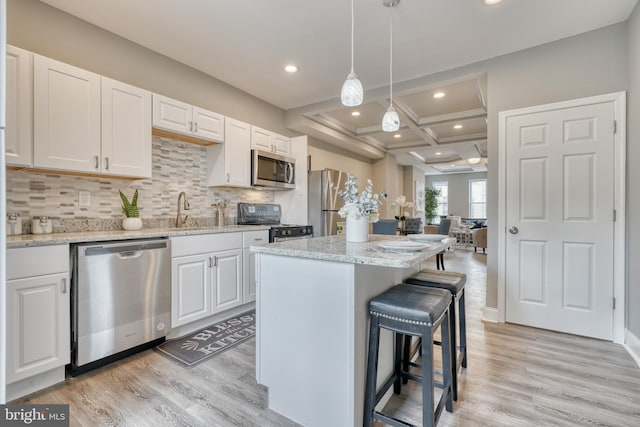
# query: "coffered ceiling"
x,y
247,43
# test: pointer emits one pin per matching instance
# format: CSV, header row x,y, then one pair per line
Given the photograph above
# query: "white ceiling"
x,y
246,43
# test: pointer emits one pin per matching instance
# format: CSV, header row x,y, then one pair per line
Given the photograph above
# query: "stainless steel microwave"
x,y
272,170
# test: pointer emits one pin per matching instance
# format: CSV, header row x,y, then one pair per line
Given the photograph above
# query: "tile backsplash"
x,y
177,166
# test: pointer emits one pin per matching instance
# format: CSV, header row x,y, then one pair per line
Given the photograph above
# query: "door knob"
x,y
514,230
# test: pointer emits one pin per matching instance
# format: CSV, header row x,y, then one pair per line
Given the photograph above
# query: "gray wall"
x,y
633,175
590,64
458,190
37,27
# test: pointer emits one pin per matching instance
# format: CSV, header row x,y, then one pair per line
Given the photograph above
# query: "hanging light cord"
x,y
352,31
391,55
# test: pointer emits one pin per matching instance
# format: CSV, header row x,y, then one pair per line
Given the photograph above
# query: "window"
x,y
443,199
477,198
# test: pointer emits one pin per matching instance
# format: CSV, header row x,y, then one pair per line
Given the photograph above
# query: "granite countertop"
x,y
336,249
24,240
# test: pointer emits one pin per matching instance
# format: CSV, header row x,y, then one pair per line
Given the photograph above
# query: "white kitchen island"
x,y
312,321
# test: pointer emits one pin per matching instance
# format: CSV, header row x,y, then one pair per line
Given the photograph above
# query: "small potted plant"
x,y
359,209
131,212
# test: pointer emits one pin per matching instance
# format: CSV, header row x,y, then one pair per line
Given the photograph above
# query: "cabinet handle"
x,y
106,163
190,126
64,286
97,159
215,261
228,177
260,239
195,126
210,262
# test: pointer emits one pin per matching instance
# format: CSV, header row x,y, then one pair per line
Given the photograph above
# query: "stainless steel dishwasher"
x,y
121,293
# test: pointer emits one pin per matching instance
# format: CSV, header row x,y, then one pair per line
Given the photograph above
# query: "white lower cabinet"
x,y
249,282
206,276
38,318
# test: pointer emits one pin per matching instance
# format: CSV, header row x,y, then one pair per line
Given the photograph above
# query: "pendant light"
x,y
391,120
352,93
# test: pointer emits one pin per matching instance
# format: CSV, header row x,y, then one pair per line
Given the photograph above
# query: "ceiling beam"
x,y
445,118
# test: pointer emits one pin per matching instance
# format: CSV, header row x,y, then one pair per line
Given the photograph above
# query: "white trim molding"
x,y
619,100
632,345
490,314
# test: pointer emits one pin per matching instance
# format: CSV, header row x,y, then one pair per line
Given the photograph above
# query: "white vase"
x,y
131,224
357,229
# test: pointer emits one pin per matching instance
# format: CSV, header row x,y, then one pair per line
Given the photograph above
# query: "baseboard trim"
x,y
490,314
632,345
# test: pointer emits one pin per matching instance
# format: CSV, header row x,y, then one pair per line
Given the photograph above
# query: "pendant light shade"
x,y
390,120
352,93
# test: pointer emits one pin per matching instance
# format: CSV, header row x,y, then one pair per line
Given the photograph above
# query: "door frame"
x,y
619,100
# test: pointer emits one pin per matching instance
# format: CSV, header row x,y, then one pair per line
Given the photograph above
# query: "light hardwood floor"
x,y
517,376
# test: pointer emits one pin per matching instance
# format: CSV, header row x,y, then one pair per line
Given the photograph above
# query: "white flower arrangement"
x,y
357,205
402,204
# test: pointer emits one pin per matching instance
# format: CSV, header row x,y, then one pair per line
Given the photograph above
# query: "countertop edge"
x,y
31,240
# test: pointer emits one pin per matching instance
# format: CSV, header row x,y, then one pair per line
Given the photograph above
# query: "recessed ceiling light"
x,y
473,160
355,113
397,135
458,127
453,166
438,95
492,1
438,153
291,69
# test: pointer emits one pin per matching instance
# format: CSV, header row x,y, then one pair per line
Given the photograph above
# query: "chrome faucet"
x,y
185,205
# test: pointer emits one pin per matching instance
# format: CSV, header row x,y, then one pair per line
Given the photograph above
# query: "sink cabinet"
x,y
38,318
206,276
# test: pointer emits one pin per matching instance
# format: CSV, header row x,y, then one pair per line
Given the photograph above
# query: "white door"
x,y
237,148
559,217
19,129
171,114
38,336
208,125
126,129
227,280
66,120
190,288
261,139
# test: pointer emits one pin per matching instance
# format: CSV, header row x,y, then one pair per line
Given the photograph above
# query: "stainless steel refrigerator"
x,y
324,201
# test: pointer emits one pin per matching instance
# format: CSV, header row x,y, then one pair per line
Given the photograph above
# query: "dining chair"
x,y
443,228
412,225
385,226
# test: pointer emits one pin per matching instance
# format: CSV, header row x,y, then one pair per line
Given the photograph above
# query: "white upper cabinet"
x,y
265,140
19,130
282,145
87,123
66,117
184,119
208,125
229,164
126,129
